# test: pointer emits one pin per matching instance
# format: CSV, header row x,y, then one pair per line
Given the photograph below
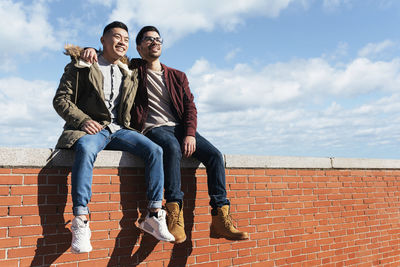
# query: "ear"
x,y
102,40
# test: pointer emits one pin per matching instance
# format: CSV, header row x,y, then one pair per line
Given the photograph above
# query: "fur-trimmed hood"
x,y
74,52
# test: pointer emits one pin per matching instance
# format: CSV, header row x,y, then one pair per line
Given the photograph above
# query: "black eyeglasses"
x,y
150,39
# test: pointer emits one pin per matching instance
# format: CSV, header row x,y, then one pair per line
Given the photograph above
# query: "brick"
x,y
96,207
204,250
26,171
34,179
10,179
29,251
91,263
28,241
98,171
25,231
103,225
26,210
279,255
4,190
34,190
9,221
31,220
9,242
59,179
244,260
241,172
257,179
100,188
300,258
9,263
224,255
202,258
95,254
275,172
5,171
3,232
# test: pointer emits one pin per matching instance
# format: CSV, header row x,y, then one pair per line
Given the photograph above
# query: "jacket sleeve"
x,y
65,100
190,111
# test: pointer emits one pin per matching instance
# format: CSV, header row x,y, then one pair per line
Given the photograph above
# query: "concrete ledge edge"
x,y
41,157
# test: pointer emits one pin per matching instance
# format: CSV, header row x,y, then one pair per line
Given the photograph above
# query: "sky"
x,y
312,78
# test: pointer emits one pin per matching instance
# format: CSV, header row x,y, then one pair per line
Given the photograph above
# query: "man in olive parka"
x,y
96,100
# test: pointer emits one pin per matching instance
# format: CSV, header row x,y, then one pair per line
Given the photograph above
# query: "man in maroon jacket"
x,y
165,112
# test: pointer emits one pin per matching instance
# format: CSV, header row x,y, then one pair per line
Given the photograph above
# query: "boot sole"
x,y
217,236
179,242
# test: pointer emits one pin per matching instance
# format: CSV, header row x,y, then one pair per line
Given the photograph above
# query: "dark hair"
x,y
139,36
115,24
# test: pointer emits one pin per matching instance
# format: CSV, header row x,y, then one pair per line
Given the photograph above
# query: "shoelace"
x,y
228,221
175,217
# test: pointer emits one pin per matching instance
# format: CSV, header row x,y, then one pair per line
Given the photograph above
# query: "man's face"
x,y
150,46
115,44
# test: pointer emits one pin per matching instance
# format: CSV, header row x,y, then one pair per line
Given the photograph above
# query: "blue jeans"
x,y
170,139
86,149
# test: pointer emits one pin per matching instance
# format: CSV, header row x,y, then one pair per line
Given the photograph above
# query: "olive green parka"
x,y
80,97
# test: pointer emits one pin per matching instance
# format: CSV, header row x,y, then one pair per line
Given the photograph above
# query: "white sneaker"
x,y
80,236
157,226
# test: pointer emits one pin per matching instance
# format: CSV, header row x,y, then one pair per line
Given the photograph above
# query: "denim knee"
x,y
216,157
173,150
156,152
85,149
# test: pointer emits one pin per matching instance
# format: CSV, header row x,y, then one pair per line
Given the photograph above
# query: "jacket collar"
x,y
80,63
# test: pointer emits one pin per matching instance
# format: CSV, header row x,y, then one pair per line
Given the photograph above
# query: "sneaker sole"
x,y
77,252
151,233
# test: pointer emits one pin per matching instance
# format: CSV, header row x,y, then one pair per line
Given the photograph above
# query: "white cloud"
x,y
232,54
299,104
177,18
334,4
24,29
373,49
107,3
243,87
28,115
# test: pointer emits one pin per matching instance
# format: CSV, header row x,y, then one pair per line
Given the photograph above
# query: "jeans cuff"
x,y
80,210
154,204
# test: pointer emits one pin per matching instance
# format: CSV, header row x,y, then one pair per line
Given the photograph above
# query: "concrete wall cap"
x,y
40,157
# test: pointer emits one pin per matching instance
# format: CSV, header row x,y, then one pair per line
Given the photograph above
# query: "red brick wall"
x,y
294,218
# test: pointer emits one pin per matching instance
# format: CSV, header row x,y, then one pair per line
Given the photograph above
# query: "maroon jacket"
x,y
179,91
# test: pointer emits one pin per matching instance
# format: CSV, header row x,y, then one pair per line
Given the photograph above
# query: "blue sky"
x,y
314,78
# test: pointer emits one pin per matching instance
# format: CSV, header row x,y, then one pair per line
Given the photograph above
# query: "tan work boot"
x,y
222,226
175,223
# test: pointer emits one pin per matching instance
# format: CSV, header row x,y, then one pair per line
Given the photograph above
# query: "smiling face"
x,y
115,44
150,47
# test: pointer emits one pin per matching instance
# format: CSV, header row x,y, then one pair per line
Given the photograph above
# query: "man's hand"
x,y
188,146
91,127
89,55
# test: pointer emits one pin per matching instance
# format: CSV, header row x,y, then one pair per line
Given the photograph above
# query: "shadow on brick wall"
x,y
51,199
181,252
127,252
132,192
